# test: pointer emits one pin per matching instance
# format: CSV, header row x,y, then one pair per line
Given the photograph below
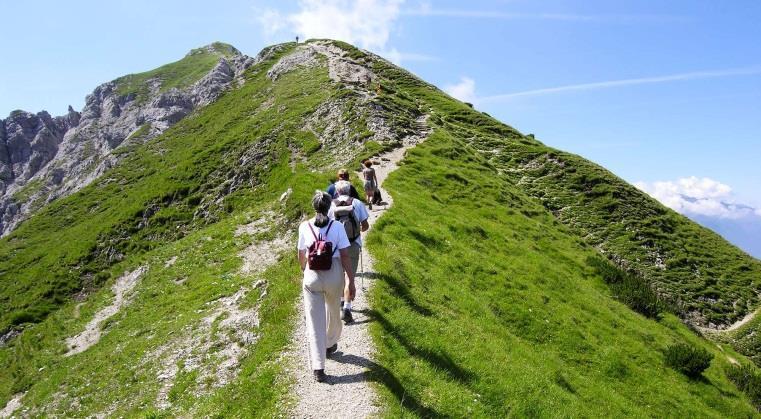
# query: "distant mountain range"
x,y
744,232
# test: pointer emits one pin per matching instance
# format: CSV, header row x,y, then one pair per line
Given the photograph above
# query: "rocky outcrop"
x,y
343,124
44,158
29,141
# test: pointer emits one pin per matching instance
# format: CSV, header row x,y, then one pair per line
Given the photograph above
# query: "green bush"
x,y
629,289
688,359
747,379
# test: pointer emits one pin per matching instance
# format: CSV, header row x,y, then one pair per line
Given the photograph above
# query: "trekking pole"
x,y
306,341
362,267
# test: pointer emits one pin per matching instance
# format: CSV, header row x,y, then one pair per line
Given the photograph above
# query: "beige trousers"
x,y
322,291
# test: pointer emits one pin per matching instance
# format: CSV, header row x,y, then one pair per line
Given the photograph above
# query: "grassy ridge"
x,y
179,74
705,278
135,210
487,307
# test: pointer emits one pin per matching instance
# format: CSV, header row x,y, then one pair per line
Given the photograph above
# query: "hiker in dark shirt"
x,y
343,174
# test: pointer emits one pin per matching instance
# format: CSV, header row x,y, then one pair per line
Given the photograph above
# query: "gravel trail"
x,y
347,392
734,326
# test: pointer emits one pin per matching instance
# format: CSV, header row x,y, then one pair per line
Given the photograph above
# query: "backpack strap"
x,y
312,230
330,224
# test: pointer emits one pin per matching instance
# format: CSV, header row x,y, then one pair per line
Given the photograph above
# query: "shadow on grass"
x,y
400,290
438,360
383,376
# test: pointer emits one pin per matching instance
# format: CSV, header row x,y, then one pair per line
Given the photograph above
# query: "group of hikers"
x,y
330,246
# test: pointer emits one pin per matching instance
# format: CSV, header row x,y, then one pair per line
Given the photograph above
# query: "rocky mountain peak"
x,y
43,158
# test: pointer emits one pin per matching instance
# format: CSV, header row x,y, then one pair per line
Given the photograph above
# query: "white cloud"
x,y
698,196
696,75
271,21
465,90
367,23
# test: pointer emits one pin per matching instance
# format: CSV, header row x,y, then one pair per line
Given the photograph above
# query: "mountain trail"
x,y
734,326
347,392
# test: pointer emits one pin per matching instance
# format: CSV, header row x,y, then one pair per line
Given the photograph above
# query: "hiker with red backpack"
x,y
352,214
324,257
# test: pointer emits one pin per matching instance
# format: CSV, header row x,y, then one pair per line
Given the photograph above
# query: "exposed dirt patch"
x,y
213,348
259,255
171,261
12,406
91,335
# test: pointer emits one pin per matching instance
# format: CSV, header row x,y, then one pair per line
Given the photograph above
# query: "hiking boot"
x,y
369,205
320,376
330,351
346,316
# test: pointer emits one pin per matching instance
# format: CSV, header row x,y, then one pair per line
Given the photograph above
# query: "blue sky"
x,y
654,91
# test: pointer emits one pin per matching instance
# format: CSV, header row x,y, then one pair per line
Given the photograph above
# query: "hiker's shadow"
x,y
381,375
368,314
343,358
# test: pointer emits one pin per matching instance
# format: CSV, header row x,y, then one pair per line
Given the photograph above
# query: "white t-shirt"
x,y
360,213
336,235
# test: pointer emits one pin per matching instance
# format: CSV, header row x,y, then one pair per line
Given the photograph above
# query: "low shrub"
x,y
688,359
748,380
629,288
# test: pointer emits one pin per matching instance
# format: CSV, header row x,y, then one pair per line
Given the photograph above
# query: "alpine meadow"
x,y
148,262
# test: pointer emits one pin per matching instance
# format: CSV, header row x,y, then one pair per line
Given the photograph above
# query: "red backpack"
x,y
320,254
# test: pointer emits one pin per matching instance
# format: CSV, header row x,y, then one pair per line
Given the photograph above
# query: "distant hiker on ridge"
x,y
323,256
371,182
343,174
352,214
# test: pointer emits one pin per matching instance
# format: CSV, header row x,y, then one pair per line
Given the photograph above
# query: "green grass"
x,y
696,272
22,195
178,74
748,379
140,132
487,307
746,339
700,273
147,214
